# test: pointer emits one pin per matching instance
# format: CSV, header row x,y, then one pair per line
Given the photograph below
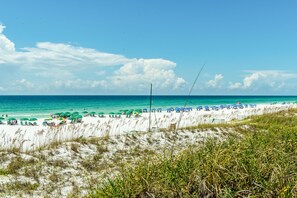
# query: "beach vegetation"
x,y
74,147
258,162
25,187
17,163
58,163
54,177
102,149
4,172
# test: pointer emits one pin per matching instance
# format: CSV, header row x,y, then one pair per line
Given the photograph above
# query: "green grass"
x,y
261,164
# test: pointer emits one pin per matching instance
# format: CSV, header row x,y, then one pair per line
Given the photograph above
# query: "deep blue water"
x,y
41,106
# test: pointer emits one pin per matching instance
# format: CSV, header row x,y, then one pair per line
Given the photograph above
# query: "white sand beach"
x,y
32,137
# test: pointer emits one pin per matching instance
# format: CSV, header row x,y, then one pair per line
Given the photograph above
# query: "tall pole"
x,y
151,95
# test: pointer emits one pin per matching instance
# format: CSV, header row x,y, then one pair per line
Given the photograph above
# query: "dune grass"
x,y
260,163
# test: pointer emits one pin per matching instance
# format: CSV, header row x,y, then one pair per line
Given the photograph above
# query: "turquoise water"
x,y
43,106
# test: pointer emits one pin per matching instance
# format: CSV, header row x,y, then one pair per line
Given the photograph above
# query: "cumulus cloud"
x,y
6,45
64,65
141,72
271,78
215,83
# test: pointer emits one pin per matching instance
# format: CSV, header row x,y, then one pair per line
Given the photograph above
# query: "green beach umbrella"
x,y
32,119
1,118
57,113
79,116
48,118
111,114
11,119
72,118
129,112
93,113
24,119
101,113
75,113
84,112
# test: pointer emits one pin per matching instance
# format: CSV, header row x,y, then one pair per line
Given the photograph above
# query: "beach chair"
x,y
206,108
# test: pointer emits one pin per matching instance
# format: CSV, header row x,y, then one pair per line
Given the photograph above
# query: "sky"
x,y
96,47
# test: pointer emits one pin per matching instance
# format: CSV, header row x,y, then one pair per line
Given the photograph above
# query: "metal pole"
x,y
151,93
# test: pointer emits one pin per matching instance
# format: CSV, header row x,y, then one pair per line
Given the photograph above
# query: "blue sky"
x,y
120,47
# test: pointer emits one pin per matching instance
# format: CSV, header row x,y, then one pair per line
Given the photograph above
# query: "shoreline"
x,y
43,106
27,138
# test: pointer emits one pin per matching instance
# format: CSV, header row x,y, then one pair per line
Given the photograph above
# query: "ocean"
x,y
43,106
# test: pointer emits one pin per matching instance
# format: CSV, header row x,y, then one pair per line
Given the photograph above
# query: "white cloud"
x,y
81,84
6,46
236,85
139,73
67,66
270,78
215,83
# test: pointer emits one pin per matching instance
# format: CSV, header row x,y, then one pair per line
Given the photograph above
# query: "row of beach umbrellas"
x,y
76,115
22,119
